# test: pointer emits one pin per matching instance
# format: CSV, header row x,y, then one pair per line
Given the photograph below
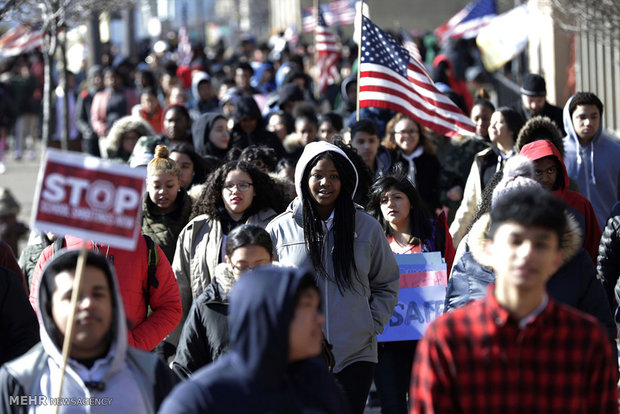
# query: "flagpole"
x,y
316,52
359,60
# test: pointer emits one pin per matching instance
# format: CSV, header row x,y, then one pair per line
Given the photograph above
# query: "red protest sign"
x,y
90,198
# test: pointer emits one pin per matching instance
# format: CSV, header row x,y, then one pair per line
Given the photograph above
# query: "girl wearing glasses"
x,y
416,154
166,207
236,193
205,333
356,270
409,228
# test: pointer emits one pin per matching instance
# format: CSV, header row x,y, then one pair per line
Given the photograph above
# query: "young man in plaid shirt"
x,y
517,351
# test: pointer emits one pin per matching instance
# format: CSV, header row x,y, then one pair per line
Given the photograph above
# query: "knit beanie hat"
x,y
518,174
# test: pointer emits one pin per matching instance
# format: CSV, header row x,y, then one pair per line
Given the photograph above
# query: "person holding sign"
x,y
103,371
166,207
409,228
517,349
356,271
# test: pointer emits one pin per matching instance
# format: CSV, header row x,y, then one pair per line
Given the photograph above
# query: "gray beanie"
x,y
518,173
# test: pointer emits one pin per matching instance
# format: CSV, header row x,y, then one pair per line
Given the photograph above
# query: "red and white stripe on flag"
x,y
20,39
391,78
336,12
328,55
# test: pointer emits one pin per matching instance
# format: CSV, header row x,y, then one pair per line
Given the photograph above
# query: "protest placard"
x,y
89,198
423,280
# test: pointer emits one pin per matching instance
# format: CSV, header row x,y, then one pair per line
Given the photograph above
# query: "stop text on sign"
x,y
89,198
100,195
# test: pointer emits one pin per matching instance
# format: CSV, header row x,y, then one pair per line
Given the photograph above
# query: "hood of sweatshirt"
x,y
312,150
248,108
573,138
262,305
51,338
200,132
196,79
541,149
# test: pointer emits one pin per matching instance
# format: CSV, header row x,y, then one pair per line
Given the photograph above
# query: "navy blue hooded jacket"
x,y
255,376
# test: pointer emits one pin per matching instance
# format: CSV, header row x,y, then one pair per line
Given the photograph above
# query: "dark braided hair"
x,y
343,255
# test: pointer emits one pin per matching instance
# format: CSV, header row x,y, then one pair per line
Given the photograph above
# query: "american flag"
x,y
328,54
410,45
337,12
291,35
20,39
468,22
391,78
308,22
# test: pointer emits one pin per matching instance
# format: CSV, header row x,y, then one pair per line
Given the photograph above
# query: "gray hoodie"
x,y
595,167
130,378
353,317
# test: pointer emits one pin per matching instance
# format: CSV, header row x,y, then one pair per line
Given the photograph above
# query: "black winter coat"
x,y
205,334
609,255
428,170
19,329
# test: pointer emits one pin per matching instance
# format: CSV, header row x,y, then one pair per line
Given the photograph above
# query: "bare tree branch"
x,y
600,17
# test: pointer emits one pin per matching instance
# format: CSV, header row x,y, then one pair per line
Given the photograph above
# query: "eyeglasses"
x,y
548,171
407,131
242,269
243,187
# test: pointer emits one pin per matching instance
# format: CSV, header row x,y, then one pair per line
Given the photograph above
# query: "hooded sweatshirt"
x,y
248,108
592,231
127,377
595,167
211,104
255,375
200,133
370,303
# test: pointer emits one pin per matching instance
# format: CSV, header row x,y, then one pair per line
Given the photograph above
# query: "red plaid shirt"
x,y
477,360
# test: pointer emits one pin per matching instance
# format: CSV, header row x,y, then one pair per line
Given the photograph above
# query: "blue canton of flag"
x,y
391,78
468,22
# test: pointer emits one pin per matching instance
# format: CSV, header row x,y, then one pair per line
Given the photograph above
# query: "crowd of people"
x,y
272,215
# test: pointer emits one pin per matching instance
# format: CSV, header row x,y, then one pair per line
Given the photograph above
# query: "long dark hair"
x,y
200,169
343,254
266,192
420,225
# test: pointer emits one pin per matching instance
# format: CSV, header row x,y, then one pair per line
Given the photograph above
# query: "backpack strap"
x,y
152,260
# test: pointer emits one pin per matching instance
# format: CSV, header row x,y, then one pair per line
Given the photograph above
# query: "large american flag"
x,y
336,12
391,78
468,22
328,54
